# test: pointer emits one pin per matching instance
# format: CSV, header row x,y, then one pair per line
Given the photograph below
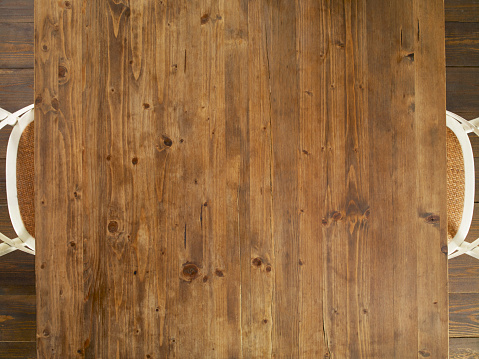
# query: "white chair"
x,y
19,149
461,184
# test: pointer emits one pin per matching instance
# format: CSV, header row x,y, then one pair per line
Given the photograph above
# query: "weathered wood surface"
x,y
17,275
462,10
16,89
18,350
464,348
462,91
16,318
16,45
462,44
240,179
464,271
16,11
464,315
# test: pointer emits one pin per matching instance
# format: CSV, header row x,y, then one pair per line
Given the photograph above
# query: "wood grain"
x,y
17,313
473,233
4,136
475,145
462,44
17,88
463,315
16,45
17,276
464,273
226,179
462,10
18,350
16,11
463,348
462,90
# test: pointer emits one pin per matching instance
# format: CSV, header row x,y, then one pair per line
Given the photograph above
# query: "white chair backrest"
x,y
461,128
24,242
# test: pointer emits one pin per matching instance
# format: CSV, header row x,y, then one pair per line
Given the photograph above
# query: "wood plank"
x,y
474,229
474,143
17,272
462,10
16,45
431,287
311,82
58,33
18,350
3,182
285,127
462,90
464,273
5,225
211,175
256,231
463,348
389,139
463,315
17,318
16,90
16,11
462,44
4,136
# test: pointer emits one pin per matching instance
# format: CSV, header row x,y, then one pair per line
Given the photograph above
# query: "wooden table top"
x,y
240,179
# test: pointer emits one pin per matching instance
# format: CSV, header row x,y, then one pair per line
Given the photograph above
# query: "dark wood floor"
x,y
17,276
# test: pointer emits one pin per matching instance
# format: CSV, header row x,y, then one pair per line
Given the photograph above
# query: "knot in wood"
x,y
424,353
257,262
113,226
190,271
367,213
167,141
337,216
205,18
55,104
432,219
62,71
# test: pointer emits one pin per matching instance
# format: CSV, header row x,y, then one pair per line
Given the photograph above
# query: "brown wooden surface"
x,y
462,91
464,273
464,348
16,45
18,350
463,44
228,179
16,89
16,318
464,315
463,277
16,11
462,10
17,275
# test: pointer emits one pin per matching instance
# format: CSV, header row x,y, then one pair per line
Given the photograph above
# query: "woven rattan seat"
x,y
25,178
455,184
